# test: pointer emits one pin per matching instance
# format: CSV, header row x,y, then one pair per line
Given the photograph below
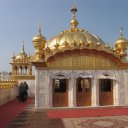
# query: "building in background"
x,y
21,66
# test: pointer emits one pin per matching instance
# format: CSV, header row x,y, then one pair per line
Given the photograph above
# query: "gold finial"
x,y
39,28
121,32
22,50
74,22
74,10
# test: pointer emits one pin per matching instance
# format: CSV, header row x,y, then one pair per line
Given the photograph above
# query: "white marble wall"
x,y
126,85
121,83
43,85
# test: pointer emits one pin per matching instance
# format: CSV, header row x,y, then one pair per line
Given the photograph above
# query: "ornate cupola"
x,y
21,65
121,46
39,43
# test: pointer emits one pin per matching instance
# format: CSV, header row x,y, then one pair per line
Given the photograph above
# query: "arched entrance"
x,y
83,91
105,92
60,92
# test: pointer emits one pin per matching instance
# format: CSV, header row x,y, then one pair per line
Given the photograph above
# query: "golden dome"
x,y
38,38
78,36
39,41
121,40
74,34
22,55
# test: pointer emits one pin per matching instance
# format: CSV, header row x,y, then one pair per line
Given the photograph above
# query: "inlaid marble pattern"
x,y
97,122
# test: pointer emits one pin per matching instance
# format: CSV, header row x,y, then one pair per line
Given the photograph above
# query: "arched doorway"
x,y
83,91
105,92
60,92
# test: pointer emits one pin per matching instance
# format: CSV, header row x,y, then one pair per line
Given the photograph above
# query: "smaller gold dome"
x,y
39,41
121,46
121,42
39,37
22,57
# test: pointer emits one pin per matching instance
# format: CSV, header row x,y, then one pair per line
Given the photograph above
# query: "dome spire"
x,y
74,22
22,50
39,28
121,32
74,10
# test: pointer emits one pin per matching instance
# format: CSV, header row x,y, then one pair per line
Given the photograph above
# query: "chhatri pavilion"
x,y
77,69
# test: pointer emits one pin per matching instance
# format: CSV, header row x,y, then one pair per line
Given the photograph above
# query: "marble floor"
x,y
30,118
97,122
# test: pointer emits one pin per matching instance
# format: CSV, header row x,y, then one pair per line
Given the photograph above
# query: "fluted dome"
x,y
22,56
39,38
82,36
121,42
74,34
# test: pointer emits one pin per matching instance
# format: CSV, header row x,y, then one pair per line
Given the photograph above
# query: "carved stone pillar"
x,y
126,86
36,88
13,70
72,91
29,70
95,92
43,89
116,96
51,93
18,70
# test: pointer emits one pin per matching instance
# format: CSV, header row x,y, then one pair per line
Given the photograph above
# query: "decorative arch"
x,y
83,59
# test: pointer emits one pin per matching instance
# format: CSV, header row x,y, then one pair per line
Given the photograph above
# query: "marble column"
x,y
44,82
51,93
95,92
72,92
116,96
36,88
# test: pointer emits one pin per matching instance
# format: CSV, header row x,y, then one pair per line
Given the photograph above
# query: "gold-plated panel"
x,y
82,62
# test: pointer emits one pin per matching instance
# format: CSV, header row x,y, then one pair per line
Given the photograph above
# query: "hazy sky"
x,y
19,19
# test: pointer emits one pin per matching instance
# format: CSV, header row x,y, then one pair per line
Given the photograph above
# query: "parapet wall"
x,y
8,91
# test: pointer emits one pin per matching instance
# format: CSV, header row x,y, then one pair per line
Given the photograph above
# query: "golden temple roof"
x,y
74,34
68,42
79,36
21,57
